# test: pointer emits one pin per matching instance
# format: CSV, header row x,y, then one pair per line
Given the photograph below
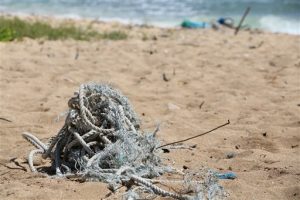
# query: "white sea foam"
x,y
69,16
280,24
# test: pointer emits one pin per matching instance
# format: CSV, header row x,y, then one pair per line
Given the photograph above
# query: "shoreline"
x,y
119,22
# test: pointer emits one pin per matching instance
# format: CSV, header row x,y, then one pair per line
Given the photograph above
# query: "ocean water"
x,y
271,15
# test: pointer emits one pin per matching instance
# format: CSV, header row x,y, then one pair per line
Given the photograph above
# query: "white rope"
x,y
101,140
82,142
156,189
31,158
34,141
83,113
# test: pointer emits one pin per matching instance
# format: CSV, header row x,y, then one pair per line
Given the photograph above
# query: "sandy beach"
x,y
190,81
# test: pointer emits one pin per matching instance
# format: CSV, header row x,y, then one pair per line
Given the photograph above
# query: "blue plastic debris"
x,y
221,20
226,21
191,24
227,175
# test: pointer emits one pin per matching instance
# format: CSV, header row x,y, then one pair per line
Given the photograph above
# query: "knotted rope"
x,y
101,140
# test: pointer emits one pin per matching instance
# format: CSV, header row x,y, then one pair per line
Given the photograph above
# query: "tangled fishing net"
x,y
101,140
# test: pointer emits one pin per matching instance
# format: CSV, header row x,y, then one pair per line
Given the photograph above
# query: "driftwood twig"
x,y
184,140
4,119
242,20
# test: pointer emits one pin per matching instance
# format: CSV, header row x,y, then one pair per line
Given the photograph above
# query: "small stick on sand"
x,y
165,77
200,106
242,20
184,140
4,119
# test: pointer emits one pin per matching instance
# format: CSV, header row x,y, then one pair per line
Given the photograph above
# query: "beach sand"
x,y
252,79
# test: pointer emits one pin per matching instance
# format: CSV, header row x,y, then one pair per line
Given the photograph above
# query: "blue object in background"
x,y
191,24
226,175
221,20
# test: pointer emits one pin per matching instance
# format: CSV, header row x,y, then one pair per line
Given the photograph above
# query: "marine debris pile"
x,y
102,140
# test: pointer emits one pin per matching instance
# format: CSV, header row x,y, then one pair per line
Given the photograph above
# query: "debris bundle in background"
x,y
101,140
